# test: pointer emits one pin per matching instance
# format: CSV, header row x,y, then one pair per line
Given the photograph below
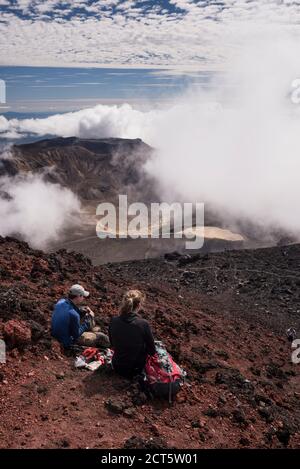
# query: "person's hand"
x,y
89,311
89,320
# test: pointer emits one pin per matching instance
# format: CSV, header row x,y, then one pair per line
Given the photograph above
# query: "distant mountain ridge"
x,y
94,169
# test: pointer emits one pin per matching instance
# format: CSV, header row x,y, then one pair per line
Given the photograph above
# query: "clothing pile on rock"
x,y
92,358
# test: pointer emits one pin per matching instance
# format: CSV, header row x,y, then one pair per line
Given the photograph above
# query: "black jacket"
x,y
132,340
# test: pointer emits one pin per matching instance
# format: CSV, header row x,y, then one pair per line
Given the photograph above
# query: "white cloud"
x,y
201,33
35,209
101,121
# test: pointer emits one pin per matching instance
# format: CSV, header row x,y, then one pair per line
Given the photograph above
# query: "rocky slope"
x,y
223,317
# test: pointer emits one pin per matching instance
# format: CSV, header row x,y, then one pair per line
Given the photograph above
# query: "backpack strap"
x,y
170,390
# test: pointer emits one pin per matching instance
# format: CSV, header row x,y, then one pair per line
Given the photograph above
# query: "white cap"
x,y
78,290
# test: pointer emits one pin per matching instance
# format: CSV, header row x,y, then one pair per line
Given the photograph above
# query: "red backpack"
x,y
163,376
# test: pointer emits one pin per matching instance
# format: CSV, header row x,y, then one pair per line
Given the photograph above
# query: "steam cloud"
x,y
236,147
239,148
35,209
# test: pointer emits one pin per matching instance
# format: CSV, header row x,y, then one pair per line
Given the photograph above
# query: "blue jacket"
x,y
65,323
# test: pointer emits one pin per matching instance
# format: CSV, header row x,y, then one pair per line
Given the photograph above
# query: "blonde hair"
x,y
131,301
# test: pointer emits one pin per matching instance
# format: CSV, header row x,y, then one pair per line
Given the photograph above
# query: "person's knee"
x,y
87,339
102,340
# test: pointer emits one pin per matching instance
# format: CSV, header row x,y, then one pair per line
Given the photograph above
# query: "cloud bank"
x,y
99,122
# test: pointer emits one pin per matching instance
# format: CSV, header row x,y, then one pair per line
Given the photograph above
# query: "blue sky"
x,y
56,89
66,54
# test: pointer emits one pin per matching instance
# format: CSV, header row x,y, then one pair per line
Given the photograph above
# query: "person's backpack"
x,y
163,376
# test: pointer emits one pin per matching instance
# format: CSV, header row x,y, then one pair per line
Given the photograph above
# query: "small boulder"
x,y
16,334
239,417
172,256
139,399
37,331
283,434
136,442
266,413
116,406
130,412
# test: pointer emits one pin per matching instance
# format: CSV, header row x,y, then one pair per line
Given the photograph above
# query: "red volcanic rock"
x,y
242,390
39,268
16,334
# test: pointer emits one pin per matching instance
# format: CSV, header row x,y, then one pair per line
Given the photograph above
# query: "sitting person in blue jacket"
x,y
66,326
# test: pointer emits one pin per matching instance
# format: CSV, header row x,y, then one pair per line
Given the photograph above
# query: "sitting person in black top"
x,y
130,337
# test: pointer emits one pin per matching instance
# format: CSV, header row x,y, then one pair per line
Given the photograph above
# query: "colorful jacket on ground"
x,y
65,324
